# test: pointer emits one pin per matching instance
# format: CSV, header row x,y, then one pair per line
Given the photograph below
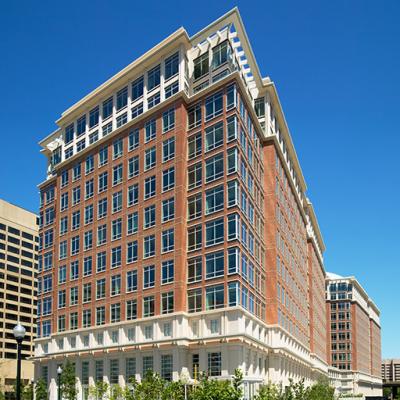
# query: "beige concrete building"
x,y
18,292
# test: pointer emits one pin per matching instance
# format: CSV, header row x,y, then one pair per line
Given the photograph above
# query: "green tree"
x,y
321,390
68,382
213,389
41,390
269,391
27,392
99,390
174,391
150,388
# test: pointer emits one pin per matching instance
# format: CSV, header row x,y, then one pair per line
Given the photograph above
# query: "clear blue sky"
x,y
336,65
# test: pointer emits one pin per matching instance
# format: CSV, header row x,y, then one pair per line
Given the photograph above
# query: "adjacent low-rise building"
x,y
354,337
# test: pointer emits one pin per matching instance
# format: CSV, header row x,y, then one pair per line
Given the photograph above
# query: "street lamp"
x,y
59,372
19,333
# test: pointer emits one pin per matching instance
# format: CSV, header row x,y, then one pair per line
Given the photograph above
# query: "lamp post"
x,y
33,388
19,333
59,372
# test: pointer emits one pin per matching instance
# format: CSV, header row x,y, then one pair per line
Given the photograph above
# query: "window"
x,y
63,250
233,193
103,182
150,158
122,98
148,311
117,148
214,297
115,312
259,107
168,149
136,111
115,285
101,288
194,237
133,167
131,281
107,108
62,274
194,300
93,117
76,195
101,262
117,201
215,264
89,189
168,179
232,128
63,225
73,297
214,167
89,164
74,270
101,234
149,187
232,160
132,223
131,313
214,232
100,320
102,208
133,194
214,136
69,134
148,276
214,363
231,97
194,175
64,201
137,88
233,293
214,199
167,271
81,125
194,145
167,303
214,106
195,206
153,78
195,267
103,156
64,178
233,260
87,292
150,130
221,54
133,139
153,100
170,90
132,252
117,174
168,120
167,240
171,66
116,257
149,216
76,219
75,245
87,266
93,137
73,324
194,116
201,66
168,210
116,229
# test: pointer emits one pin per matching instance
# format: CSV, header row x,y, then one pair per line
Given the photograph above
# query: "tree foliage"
x,y
41,390
68,382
